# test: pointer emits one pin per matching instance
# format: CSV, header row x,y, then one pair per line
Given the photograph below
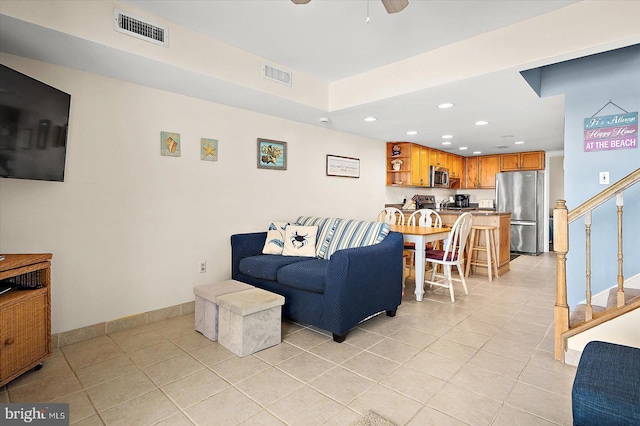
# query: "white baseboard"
x,y
572,357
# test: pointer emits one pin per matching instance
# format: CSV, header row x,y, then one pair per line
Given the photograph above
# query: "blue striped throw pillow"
x,y
349,233
324,224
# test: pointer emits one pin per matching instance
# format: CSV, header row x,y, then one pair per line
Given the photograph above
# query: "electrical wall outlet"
x,y
203,267
604,178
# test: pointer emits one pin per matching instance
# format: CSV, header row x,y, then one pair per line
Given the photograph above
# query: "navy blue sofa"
x,y
606,390
335,294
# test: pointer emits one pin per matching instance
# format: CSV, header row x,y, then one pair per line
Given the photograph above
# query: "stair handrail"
x,y
605,195
561,220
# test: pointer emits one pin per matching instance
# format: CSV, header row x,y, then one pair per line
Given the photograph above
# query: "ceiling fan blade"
x,y
393,6
300,1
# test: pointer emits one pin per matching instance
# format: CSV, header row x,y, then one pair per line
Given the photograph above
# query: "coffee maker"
x,y
461,200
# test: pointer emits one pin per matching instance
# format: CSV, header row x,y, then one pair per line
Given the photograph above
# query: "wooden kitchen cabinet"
x,y
456,168
471,172
438,158
488,166
25,315
532,160
416,160
420,165
402,176
414,169
481,171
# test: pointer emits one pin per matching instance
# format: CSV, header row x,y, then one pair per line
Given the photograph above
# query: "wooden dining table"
x,y
420,236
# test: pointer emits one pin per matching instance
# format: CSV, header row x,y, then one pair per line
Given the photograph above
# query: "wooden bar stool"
x,y
489,247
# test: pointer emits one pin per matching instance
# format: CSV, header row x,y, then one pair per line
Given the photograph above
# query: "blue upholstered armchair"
x,y
606,390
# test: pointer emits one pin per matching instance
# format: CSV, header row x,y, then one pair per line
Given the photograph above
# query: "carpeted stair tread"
x,y
629,294
577,316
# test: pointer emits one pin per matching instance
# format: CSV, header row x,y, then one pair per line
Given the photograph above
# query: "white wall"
x,y
129,227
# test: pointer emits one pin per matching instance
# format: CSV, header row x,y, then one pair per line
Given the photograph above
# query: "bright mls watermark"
x,y
34,414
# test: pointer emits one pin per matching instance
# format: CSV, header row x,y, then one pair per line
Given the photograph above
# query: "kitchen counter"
x,y
502,222
474,211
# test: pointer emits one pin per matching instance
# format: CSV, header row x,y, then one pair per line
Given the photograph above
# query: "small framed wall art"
x,y
272,154
208,149
170,144
343,166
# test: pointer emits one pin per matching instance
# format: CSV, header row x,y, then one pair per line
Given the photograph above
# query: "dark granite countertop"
x,y
473,210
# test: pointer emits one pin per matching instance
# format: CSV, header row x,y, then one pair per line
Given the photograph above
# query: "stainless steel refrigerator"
x,y
522,194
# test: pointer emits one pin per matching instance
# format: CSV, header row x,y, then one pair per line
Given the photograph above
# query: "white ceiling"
x,y
330,40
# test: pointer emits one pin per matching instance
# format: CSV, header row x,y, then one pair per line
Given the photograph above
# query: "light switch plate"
x,y
604,178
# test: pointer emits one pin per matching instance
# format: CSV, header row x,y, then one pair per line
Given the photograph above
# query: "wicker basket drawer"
x,y
24,335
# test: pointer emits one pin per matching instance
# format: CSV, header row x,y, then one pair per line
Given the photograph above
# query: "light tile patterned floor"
x,y
485,360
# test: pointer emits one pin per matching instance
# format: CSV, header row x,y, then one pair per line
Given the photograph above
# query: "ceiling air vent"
x,y
135,26
502,146
274,74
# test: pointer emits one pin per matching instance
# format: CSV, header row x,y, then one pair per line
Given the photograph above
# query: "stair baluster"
x,y
588,309
619,204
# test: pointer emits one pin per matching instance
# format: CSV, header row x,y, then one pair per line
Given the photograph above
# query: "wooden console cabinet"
x,y
25,315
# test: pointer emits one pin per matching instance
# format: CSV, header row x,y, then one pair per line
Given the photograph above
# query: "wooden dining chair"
x,y
391,215
423,217
451,255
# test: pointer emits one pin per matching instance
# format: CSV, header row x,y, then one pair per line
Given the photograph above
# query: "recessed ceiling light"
x,y
446,143
412,132
370,119
447,136
462,148
477,152
446,105
518,142
481,123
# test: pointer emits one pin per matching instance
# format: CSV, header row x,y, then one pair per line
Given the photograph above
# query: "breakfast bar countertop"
x,y
473,210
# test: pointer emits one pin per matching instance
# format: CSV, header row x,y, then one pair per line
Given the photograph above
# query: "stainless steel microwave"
x,y
438,177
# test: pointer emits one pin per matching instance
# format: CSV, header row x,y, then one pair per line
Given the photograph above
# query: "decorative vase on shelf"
x,y
396,164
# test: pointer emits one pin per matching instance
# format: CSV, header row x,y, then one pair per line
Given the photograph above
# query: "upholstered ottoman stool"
x,y
206,315
249,320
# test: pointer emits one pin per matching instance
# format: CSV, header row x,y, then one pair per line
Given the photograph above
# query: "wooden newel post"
x,y
561,247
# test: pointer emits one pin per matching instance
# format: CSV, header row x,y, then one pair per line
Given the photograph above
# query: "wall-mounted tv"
x,y
34,119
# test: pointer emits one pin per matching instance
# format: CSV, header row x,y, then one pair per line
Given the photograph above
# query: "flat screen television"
x,y
34,119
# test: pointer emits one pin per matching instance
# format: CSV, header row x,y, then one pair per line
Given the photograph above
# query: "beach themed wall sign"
x,y
611,132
